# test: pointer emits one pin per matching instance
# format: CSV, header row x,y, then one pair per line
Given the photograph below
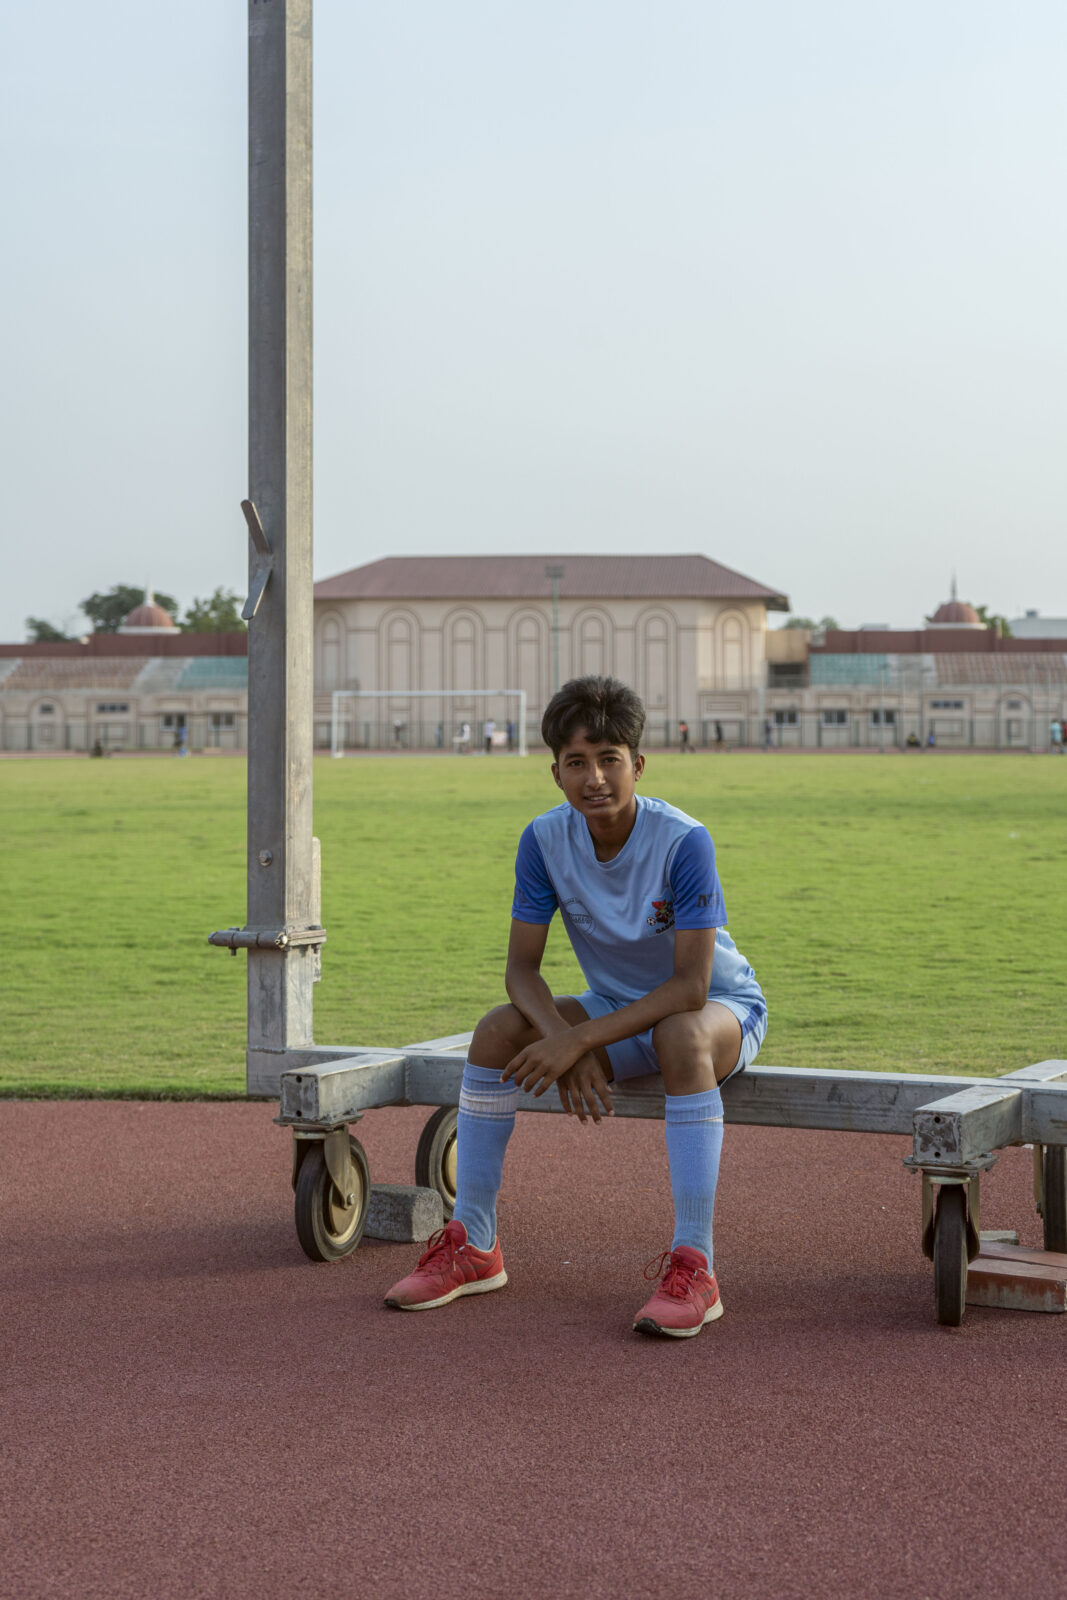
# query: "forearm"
x,y
530,994
679,993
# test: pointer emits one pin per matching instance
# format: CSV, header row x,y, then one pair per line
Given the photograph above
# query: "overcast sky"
x,y
781,282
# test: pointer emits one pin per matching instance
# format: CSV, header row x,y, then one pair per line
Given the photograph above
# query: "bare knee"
x,y
499,1036
696,1049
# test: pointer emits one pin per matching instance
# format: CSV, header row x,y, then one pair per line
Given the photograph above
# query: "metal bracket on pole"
x,y
262,561
235,939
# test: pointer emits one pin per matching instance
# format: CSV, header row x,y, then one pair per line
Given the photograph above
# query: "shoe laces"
x,y
677,1277
440,1249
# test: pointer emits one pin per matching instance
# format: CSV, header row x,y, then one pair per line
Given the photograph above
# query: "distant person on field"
x,y
931,740
490,729
768,734
511,736
635,882
683,730
463,738
912,741
718,736
1056,735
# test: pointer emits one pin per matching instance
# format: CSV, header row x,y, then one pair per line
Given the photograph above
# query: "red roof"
x,y
957,613
930,641
149,615
523,578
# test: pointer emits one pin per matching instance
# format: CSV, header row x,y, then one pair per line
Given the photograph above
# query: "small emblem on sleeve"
x,y
662,918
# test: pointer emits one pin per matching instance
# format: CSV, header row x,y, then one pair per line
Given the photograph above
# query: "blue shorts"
x,y
635,1057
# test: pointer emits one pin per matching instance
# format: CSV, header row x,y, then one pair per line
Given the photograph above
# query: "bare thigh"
x,y
504,1031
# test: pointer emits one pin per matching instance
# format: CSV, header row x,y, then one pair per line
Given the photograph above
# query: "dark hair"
x,y
607,710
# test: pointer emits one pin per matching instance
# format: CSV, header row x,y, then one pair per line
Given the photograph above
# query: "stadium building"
x,y
955,683
138,689
415,645
689,634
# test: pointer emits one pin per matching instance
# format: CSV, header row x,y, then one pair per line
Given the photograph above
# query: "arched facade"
x,y
655,641
528,658
470,650
398,664
332,652
464,661
592,642
732,653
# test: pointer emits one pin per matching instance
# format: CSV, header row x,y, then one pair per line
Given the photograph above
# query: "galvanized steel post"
x,y
280,864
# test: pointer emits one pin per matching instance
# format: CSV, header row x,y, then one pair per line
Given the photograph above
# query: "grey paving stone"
x,y
403,1213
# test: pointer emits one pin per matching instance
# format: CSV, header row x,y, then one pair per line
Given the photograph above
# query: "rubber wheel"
x,y
950,1255
435,1158
326,1227
1054,1210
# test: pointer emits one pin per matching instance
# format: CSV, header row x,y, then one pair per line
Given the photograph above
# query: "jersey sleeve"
x,y
698,901
535,898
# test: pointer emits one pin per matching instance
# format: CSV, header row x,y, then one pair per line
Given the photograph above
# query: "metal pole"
x,y
555,573
280,860
522,722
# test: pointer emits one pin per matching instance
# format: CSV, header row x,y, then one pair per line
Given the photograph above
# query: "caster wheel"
x,y
435,1158
328,1227
1054,1209
950,1255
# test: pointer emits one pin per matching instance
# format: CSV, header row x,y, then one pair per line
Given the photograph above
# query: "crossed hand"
x,y
579,1077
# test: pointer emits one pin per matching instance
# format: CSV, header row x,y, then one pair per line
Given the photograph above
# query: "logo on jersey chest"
x,y
579,915
662,918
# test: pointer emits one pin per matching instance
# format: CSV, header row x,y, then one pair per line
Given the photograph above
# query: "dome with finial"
x,y
148,617
956,613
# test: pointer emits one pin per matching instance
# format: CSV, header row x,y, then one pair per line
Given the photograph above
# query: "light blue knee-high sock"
x,y
486,1118
694,1144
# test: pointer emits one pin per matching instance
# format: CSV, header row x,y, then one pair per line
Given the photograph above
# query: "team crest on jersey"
x,y
579,915
662,918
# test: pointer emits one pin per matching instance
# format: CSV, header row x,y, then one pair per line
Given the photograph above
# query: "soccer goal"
x,y
359,720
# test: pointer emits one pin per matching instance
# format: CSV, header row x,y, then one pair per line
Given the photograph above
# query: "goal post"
x,y
446,734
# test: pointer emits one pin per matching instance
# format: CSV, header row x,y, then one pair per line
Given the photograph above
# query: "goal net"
x,y
428,719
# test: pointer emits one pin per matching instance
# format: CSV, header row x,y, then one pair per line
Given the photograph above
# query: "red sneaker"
x,y
686,1297
448,1268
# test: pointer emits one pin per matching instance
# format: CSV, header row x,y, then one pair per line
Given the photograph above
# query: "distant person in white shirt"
x,y
490,729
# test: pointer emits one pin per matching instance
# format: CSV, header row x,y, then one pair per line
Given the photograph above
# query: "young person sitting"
x,y
668,992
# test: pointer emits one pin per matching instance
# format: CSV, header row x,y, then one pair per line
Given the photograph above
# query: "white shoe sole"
x,y
480,1286
646,1325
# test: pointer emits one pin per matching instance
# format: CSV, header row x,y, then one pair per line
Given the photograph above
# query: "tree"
x,y
107,612
219,614
44,632
993,619
813,626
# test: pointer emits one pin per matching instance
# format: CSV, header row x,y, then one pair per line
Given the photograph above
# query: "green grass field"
x,y
902,912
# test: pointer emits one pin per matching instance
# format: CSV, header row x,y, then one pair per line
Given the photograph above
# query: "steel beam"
x,y
959,1128
799,1097
337,1090
1045,1118
1050,1072
281,889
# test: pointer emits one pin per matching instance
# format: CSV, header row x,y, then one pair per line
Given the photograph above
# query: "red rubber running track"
x,y
190,1408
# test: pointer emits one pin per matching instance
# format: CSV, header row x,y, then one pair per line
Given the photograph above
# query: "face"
x,y
598,778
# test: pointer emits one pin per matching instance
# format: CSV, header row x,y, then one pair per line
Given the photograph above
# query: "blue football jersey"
x,y
621,915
